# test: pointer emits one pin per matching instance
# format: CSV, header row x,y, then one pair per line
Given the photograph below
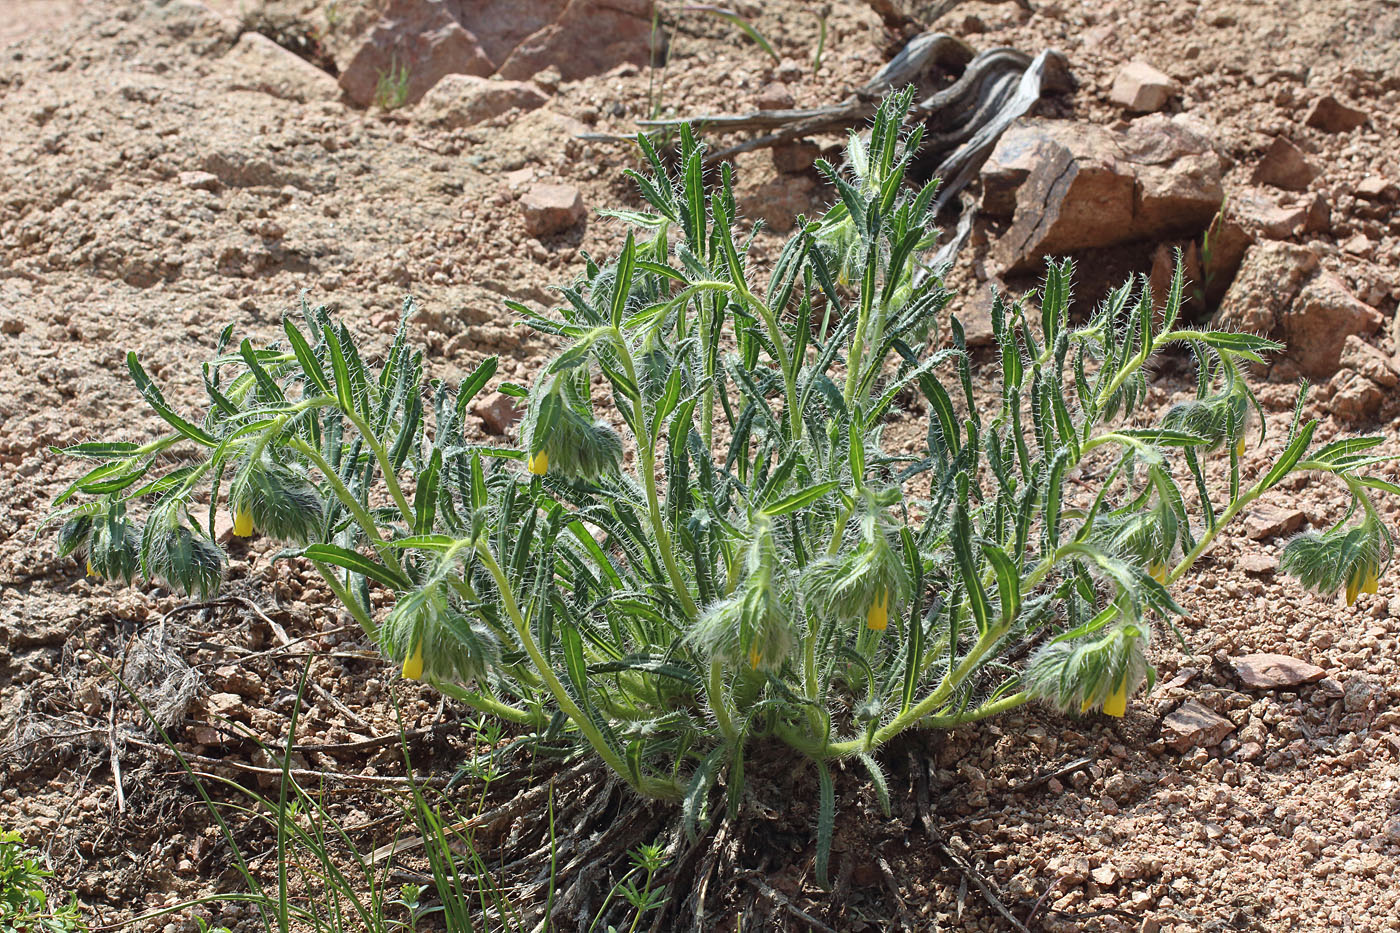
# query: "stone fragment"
x,y
1141,88
419,38
1104,876
1332,116
224,706
1376,188
1270,521
1079,186
1270,277
1370,362
259,64
778,201
583,38
1283,165
794,158
1316,326
1192,725
465,100
551,209
199,181
1354,398
1259,213
1263,565
498,413
1319,215
1274,671
774,97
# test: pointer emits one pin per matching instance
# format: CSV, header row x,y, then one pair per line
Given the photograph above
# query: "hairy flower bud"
x,y
179,554
433,639
276,500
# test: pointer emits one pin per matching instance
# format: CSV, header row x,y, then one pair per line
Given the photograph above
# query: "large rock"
x,y
1364,381
1279,292
1192,725
257,63
1073,186
513,38
426,38
1317,325
465,100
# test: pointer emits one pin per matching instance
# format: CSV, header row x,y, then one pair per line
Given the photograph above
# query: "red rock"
x,y
1141,88
1370,362
1376,188
774,97
1258,212
1317,325
1283,165
498,413
1269,279
1258,564
422,35
1319,215
1274,671
1080,186
465,100
551,209
1270,521
794,158
1192,725
1332,116
777,202
586,37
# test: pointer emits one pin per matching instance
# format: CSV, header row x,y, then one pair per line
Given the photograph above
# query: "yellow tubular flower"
x,y
1354,587
754,658
1239,447
1117,702
1372,582
413,664
1158,572
878,618
90,571
539,463
242,523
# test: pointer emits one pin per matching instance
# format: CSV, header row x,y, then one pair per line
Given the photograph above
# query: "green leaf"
x,y
306,357
1008,582
826,823
474,383
622,284
355,562
800,499
1290,457
99,450
154,398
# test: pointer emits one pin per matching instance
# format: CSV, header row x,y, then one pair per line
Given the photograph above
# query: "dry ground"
x,y
1292,824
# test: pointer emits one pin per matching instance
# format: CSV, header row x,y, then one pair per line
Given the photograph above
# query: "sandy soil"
x,y
1292,823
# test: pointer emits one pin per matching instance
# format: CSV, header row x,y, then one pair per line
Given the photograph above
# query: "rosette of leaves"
x,y
682,555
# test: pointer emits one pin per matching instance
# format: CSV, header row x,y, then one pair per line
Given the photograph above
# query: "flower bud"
x,y
539,462
179,554
434,639
277,501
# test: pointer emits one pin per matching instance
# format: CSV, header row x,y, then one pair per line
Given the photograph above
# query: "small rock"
x,y
796,157
778,201
975,315
259,64
1269,521
1256,210
1355,398
1284,166
1181,679
1265,565
420,39
774,97
549,79
1274,671
1104,876
200,181
1319,215
1141,88
1376,188
498,413
1332,116
551,209
464,100
224,705
12,325
1192,725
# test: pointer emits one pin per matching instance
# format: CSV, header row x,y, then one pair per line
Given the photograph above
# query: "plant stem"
x,y
651,787
347,498
391,479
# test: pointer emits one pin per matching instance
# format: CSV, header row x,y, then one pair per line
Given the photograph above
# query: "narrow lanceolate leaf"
x,y
799,499
97,451
154,398
622,284
1290,457
826,823
306,358
473,384
968,569
1008,582
355,562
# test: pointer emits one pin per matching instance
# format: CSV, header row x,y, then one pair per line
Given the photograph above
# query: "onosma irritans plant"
x,y
703,541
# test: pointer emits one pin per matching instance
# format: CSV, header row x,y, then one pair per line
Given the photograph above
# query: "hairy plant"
x,y
24,904
720,546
